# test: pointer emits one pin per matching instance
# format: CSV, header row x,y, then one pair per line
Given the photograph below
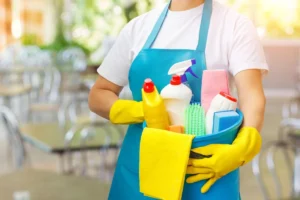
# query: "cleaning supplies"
x,y
163,162
213,81
221,102
224,120
195,120
182,68
177,97
155,113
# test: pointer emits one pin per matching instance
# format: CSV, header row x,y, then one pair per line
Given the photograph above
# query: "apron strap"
x,y
204,28
157,27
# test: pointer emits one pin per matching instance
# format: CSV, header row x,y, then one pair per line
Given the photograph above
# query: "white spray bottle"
x,y
182,68
176,95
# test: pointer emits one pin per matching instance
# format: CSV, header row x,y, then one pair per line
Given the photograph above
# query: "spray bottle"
x,y
176,95
182,68
155,112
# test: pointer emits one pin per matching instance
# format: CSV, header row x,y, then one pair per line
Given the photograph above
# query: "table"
x,y
51,139
20,69
49,186
14,90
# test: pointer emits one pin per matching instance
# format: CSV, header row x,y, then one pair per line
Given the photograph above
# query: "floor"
x,y
249,187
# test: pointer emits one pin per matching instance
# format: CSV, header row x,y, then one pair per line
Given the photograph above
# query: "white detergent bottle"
x,y
177,97
221,102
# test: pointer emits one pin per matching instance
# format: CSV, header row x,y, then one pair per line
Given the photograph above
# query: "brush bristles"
x,y
195,120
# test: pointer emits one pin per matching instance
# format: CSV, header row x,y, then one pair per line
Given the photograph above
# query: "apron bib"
x,y
155,64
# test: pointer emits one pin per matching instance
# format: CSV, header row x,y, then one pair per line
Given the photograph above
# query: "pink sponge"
x,y
213,82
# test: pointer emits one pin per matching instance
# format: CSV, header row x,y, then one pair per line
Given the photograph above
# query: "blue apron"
x,y
154,64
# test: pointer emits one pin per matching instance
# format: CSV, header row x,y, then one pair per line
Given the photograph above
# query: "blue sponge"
x,y
224,120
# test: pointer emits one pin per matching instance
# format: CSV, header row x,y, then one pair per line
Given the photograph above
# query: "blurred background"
x,y
53,147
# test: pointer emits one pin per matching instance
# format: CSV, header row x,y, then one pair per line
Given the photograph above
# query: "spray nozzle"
x,y
182,68
184,78
193,61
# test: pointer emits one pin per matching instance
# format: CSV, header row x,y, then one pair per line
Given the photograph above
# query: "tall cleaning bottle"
x,y
177,97
155,112
213,81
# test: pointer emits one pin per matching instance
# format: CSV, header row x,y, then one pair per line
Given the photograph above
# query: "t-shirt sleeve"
x,y
246,51
116,64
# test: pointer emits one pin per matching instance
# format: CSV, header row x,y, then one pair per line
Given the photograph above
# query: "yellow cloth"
x,y
164,157
126,112
225,157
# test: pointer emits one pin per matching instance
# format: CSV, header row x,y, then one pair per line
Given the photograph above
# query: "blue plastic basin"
x,y
226,188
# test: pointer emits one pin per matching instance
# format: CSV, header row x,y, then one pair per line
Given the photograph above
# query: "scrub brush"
x,y
195,120
201,122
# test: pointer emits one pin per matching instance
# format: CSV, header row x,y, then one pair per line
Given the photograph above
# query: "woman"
x,y
218,38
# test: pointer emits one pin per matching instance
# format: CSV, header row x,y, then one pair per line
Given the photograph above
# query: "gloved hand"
x,y
225,158
126,112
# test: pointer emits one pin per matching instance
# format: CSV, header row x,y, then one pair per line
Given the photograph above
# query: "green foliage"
x,y
131,11
93,20
29,39
101,18
277,19
96,19
61,43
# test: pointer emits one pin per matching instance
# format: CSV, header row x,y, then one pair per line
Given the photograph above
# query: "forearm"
x,y
101,101
252,104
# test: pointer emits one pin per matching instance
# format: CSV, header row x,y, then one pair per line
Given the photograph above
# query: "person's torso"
x,y
180,30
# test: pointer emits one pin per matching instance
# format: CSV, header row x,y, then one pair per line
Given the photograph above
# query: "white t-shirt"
x,y
232,44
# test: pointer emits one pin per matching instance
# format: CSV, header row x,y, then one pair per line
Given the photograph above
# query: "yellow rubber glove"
x,y
126,112
225,158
